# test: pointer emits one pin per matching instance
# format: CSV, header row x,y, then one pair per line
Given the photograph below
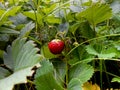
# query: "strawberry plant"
x,y
59,44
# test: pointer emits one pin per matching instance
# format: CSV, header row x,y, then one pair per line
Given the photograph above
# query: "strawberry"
x,y
56,46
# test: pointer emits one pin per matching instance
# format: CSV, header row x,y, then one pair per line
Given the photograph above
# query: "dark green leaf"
x,y
97,13
1,53
4,73
5,30
74,27
8,61
45,79
4,37
86,30
81,71
78,55
60,70
19,19
26,30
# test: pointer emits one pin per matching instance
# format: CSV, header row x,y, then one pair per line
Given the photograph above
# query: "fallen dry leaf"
x,y
90,86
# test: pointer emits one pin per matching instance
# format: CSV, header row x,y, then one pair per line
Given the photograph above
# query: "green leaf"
x,y
19,19
70,17
90,49
115,6
79,55
12,2
1,11
5,30
26,53
86,30
34,16
21,57
1,53
83,29
8,59
116,79
109,52
53,20
116,18
16,78
60,70
10,12
97,13
46,52
63,27
104,53
74,27
74,56
117,45
109,55
4,73
81,71
4,37
26,30
75,84
49,9
45,79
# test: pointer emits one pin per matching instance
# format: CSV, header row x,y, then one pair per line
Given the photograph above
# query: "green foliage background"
x,y
90,30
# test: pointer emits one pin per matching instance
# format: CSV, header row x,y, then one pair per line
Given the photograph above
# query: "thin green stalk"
x,y
36,23
93,62
35,40
104,68
67,68
91,59
94,29
111,35
112,74
101,70
29,81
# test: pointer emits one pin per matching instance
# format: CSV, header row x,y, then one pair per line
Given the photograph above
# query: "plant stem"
x,y
104,68
35,40
29,81
91,59
111,35
101,63
36,24
112,74
36,20
94,29
67,68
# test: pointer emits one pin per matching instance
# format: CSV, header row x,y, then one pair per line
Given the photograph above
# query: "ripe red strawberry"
x,y
56,46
